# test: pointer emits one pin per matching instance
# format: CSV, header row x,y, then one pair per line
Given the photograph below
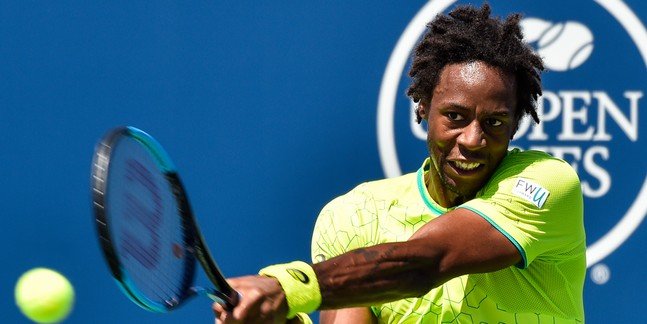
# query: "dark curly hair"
x,y
469,34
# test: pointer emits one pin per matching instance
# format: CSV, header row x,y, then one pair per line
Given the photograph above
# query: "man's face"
x,y
470,123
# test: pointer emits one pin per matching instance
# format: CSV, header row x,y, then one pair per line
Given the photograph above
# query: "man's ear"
x,y
423,109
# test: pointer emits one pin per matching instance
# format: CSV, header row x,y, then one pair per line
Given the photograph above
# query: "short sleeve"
x,y
535,200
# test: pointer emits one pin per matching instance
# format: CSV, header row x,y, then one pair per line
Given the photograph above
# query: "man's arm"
x,y
358,315
451,245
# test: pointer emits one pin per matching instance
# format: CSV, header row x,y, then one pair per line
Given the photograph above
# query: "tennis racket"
x,y
148,234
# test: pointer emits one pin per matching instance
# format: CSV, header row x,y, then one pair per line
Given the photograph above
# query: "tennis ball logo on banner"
x,y
563,46
589,108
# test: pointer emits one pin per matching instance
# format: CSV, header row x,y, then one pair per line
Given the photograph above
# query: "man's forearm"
x,y
377,274
457,243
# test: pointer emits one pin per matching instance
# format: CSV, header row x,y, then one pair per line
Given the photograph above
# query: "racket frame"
x,y
223,293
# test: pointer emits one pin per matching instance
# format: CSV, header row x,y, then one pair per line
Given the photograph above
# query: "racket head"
x,y
144,223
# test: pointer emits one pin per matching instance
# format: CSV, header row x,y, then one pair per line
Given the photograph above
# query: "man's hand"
x,y
262,301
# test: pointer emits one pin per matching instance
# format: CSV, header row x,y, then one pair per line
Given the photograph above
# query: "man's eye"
x,y
494,122
454,116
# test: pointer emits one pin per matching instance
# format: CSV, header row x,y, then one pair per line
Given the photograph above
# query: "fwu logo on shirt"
x,y
530,191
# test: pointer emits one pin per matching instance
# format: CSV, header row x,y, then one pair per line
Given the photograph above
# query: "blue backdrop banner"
x,y
270,110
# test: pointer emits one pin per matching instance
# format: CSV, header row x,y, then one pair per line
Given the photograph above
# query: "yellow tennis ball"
x,y
44,295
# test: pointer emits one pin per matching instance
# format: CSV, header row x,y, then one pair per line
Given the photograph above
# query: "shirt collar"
x,y
424,194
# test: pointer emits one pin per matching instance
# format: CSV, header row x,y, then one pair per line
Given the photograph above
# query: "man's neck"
x,y
440,192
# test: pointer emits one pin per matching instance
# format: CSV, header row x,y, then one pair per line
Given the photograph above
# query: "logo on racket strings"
x,y
140,239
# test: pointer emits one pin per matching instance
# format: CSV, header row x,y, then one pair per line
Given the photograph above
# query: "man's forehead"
x,y
471,72
475,73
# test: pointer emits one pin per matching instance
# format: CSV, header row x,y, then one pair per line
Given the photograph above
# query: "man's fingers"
x,y
222,315
224,318
217,308
249,307
261,301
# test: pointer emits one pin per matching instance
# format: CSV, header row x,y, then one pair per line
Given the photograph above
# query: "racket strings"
x,y
148,240
149,219
146,259
160,290
160,286
167,283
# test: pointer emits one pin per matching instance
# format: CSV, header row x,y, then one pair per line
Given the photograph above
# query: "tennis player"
x,y
479,234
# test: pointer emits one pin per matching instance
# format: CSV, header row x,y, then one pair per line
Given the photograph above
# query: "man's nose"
x,y
472,136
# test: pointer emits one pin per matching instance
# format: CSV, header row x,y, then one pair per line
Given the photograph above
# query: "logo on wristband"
x,y
298,275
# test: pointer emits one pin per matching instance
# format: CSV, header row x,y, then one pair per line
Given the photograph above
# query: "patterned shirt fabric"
x,y
533,199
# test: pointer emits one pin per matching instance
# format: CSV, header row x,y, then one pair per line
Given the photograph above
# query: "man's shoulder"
x,y
533,175
388,185
387,188
538,163
519,156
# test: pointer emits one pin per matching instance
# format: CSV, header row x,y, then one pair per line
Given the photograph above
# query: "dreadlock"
x,y
469,34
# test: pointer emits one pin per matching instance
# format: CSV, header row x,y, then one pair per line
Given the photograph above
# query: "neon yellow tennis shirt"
x,y
533,199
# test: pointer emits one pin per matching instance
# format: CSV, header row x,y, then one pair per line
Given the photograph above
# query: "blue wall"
x,y
269,111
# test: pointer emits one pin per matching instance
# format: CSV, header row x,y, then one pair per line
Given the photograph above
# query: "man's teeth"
x,y
466,165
